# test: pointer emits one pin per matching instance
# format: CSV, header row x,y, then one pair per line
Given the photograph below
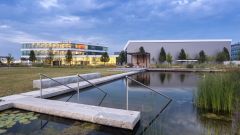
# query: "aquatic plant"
x,y
11,117
217,92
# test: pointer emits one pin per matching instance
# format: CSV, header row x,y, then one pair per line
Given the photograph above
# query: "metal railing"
x,y
41,92
148,87
164,107
105,93
91,83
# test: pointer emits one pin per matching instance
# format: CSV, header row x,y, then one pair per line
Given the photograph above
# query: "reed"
x,y
218,92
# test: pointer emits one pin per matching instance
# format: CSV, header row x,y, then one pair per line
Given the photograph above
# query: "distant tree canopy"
x,y
50,56
32,56
122,58
162,55
182,55
238,55
105,58
202,57
223,56
9,59
68,56
226,52
169,58
141,50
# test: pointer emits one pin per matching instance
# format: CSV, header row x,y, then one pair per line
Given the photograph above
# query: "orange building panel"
x,y
80,46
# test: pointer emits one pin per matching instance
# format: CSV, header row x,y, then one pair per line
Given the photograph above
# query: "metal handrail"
x,y
56,82
164,107
91,84
148,87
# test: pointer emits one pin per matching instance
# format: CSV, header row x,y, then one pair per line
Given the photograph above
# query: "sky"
x,y
114,22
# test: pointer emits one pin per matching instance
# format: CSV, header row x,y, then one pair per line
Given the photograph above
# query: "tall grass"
x,y
217,92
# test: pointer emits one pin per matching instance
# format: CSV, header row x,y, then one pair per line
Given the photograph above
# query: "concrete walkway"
x,y
95,114
101,115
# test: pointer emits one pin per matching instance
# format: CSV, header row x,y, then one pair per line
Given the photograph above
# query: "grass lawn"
x,y
19,79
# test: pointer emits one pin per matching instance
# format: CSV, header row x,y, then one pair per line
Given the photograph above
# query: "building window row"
x,y
63,45
45,52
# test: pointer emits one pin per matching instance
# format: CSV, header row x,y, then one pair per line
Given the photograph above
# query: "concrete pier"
x,y
101,115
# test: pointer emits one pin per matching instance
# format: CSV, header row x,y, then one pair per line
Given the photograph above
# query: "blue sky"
x,y
114,22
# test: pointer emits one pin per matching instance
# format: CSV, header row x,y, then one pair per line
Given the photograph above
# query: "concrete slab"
x,y
101,115
5,105
13,97
46,83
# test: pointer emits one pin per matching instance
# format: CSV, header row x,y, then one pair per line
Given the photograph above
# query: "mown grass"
x,y
218,92
15,80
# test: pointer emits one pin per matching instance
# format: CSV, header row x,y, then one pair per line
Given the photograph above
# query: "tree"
x,y
94,61
238,55
153,60
202,57
32,56
104,58
122,58
169,58
9,59
68,57
141,50
182,55
50,56
226,52
162,55
221,56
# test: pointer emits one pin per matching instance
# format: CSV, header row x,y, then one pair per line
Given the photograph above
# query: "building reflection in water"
x,y
144,78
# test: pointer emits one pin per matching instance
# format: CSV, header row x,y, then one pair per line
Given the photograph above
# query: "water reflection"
x,y
182,77
162,77
169,76
181,117
50,125
144,78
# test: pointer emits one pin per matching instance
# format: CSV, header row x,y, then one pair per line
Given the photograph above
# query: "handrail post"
x,y
78,87
127,93
40,85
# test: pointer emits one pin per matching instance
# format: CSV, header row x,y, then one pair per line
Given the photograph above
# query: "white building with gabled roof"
x,y
152,48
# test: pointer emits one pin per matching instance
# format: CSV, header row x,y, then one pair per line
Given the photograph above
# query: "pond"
x,y
180,116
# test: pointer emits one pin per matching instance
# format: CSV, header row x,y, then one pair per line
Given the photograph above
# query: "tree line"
x,y
167,57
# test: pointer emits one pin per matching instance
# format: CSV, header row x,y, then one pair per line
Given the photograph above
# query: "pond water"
x,y
180,116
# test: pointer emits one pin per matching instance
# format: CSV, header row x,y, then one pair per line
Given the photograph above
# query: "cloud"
x,y
47,4
4,26
67,22
9,34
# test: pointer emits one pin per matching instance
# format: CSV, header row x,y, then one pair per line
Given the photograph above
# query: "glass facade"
x,y
235,51
79,50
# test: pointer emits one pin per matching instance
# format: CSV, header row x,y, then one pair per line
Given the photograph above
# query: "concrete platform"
x,y
101,115
184,70
46,83
5,105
